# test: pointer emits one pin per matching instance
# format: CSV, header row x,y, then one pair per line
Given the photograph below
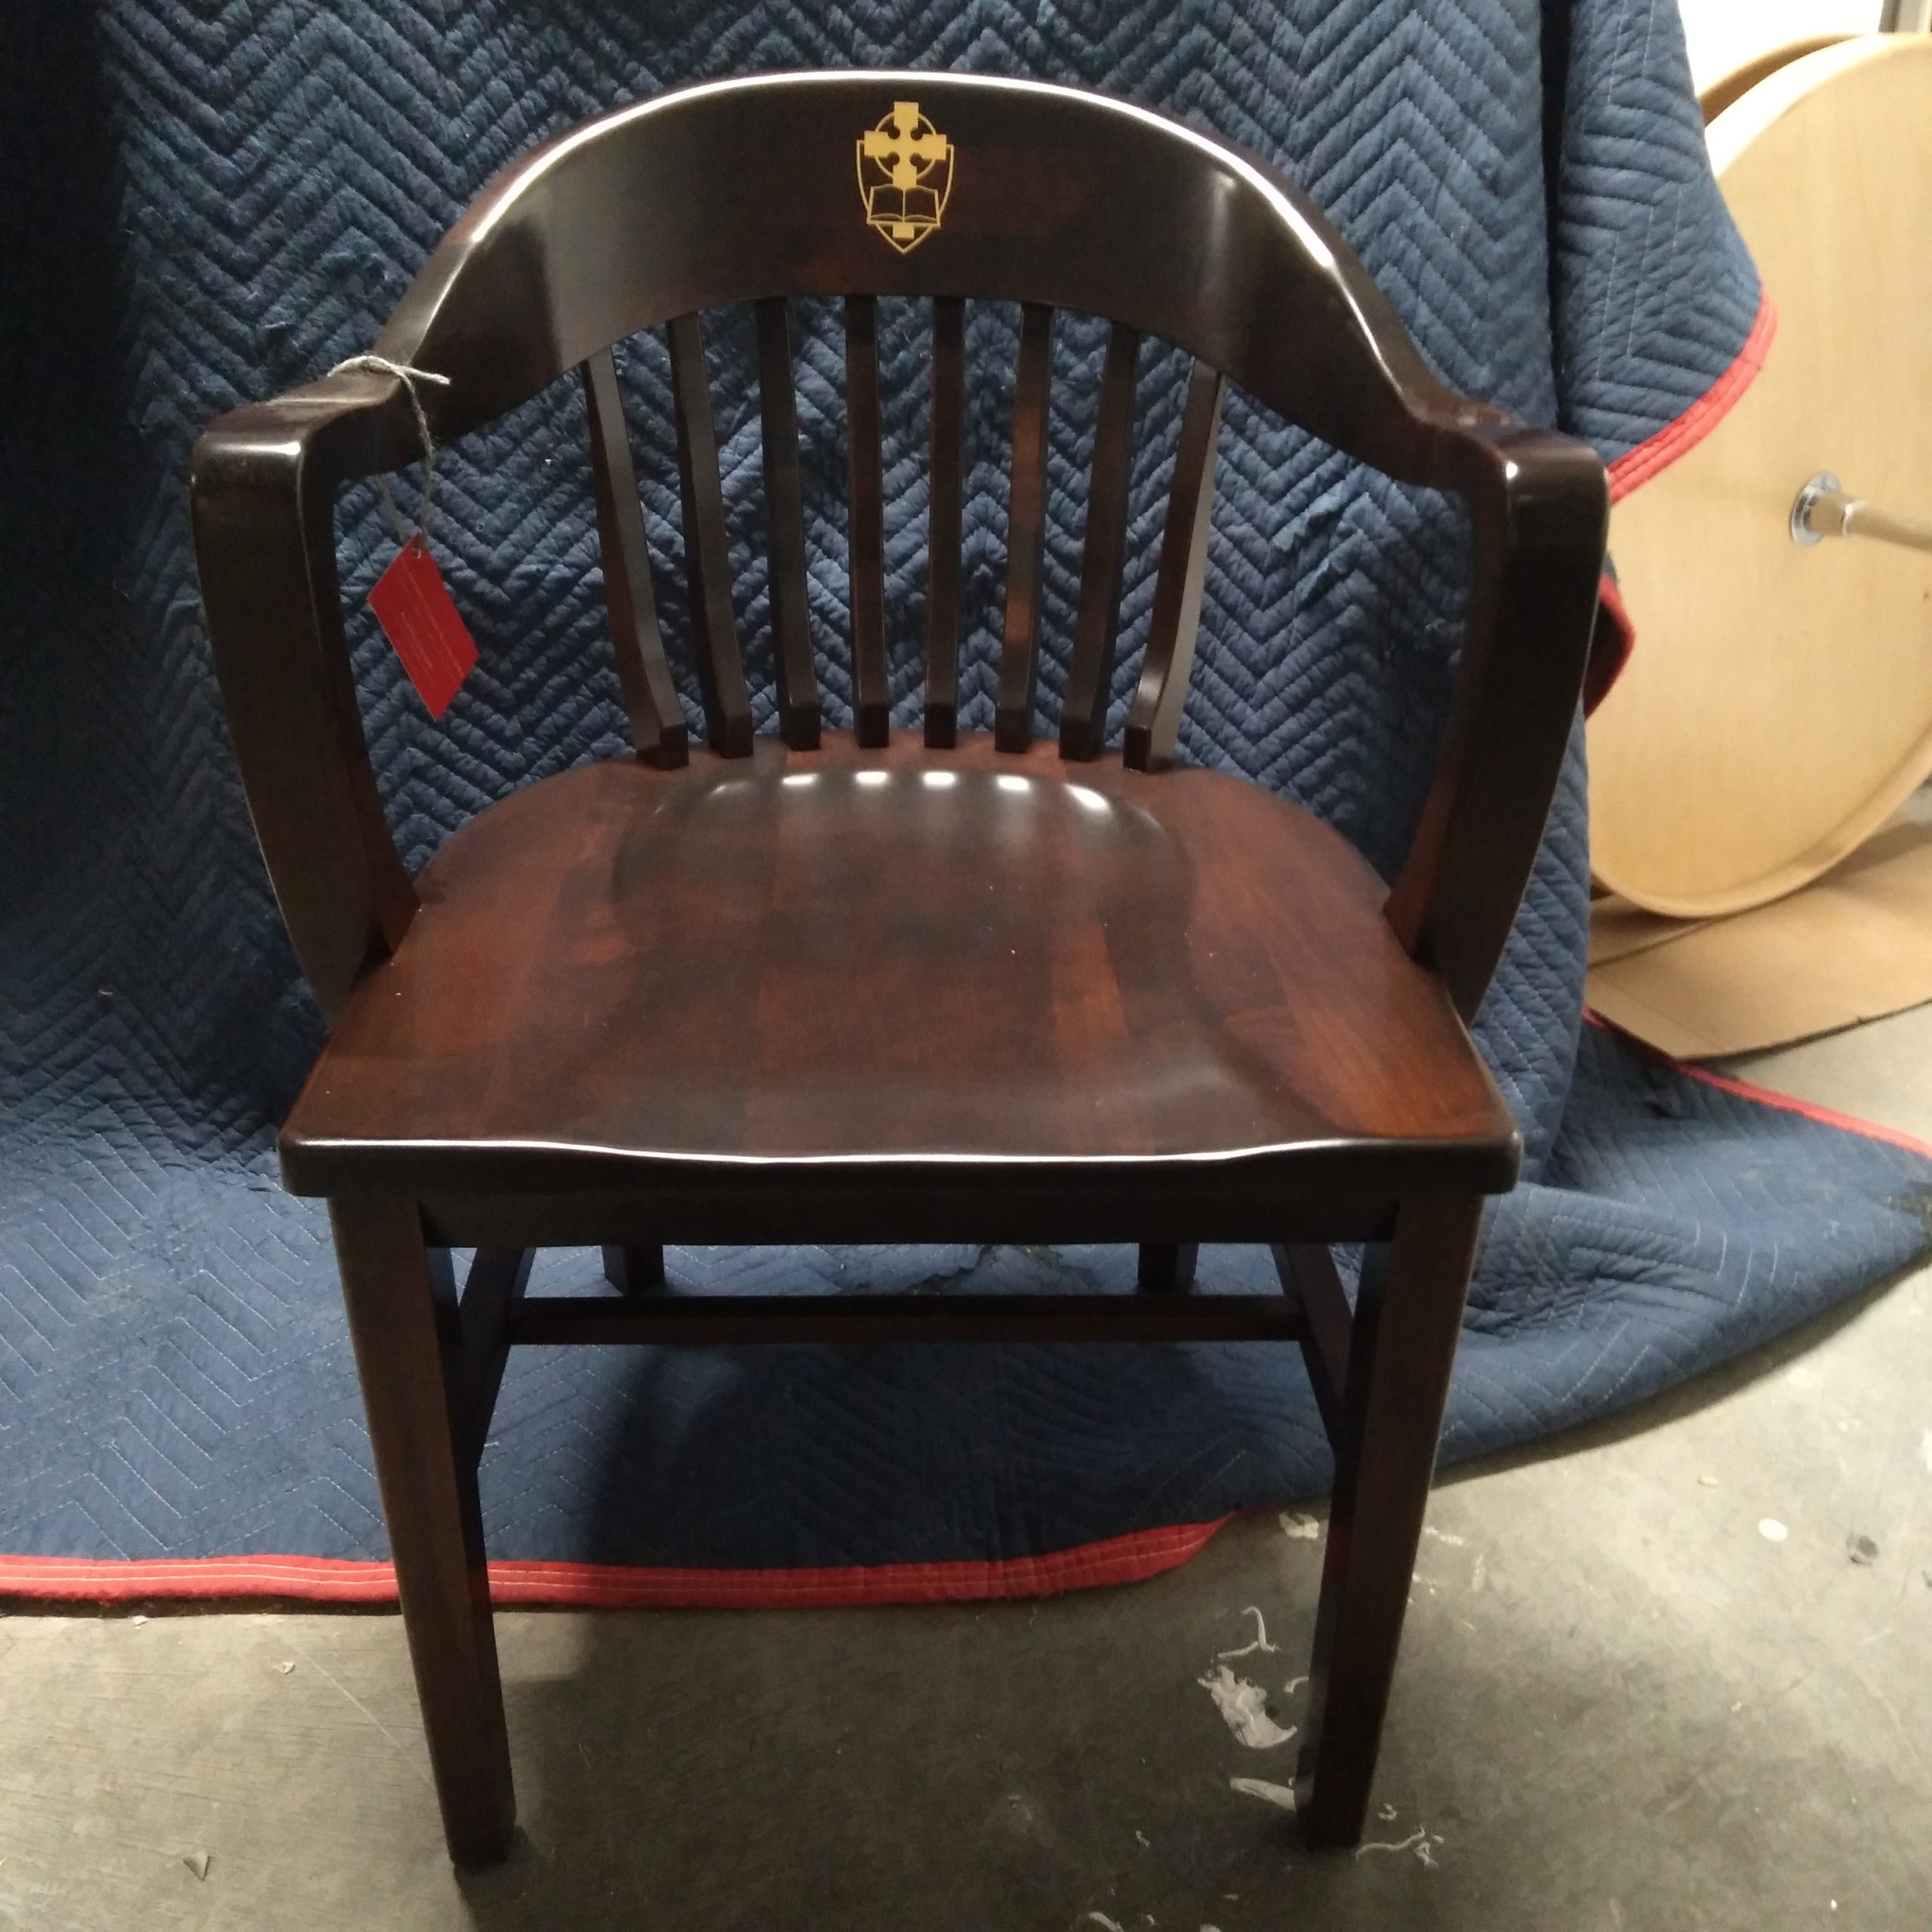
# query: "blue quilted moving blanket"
x,y
209,204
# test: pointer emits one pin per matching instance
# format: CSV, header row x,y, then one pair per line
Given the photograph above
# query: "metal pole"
x,y
1823,509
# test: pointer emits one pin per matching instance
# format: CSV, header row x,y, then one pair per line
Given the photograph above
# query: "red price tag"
x,y
414,608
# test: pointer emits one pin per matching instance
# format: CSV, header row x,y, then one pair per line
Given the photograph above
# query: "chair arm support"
x,y
1538,504
262,483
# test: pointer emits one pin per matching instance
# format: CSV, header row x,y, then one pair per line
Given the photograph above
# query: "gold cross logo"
x,y
905,176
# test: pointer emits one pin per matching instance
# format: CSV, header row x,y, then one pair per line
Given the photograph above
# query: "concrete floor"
x,y
1622,1704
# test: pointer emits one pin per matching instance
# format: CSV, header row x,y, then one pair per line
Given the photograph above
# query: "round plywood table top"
x,y
1778,707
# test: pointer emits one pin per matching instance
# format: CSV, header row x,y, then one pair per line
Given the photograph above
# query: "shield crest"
x,y
905,176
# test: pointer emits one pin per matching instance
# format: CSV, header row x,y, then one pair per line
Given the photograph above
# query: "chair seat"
x,y
623,976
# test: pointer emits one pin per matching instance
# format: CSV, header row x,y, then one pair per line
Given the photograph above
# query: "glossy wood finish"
x,y
623,976
498,1279
403,1321
1153,719
1408,1312
872,692
650,697
1166,1267
635,1269
264,547
943,521
1083,726
791,628
1307,1270
721,671
708,1321
796,1202
1254,283
907,992
1537,530
1025,533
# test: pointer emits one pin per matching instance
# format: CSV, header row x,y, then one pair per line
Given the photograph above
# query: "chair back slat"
x,y
1083,722
1153,720
872,692
1026,532
791,629
1010,192
650,697
721,670
943,521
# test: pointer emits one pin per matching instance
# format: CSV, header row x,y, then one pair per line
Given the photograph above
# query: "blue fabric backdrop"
x,y
207,203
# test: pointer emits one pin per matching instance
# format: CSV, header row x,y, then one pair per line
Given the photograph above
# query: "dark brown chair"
x,y
863,988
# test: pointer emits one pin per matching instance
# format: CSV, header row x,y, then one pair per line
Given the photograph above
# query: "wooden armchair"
x,y
820,987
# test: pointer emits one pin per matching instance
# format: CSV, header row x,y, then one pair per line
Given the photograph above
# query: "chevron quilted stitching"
x,y
229,197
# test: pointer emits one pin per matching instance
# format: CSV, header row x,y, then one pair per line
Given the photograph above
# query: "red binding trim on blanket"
x,y
1659,452
1611,640
1127,1559
1746,1090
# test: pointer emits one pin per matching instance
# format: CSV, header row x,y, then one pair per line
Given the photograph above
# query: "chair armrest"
x,y
262,483
1538,505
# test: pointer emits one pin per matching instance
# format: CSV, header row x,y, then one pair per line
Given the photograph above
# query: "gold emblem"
x,y
905,176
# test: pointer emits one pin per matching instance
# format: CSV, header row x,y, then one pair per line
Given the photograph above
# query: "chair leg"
x,y
1408,1314
401,1318
1166,1267
635,1271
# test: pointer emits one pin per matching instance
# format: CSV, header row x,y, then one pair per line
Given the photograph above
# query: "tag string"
x,y
409,378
